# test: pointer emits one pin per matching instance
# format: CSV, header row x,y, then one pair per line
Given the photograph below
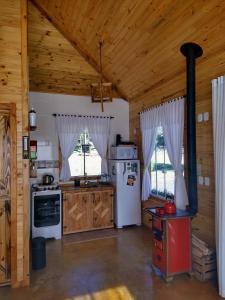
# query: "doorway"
x,y
7,189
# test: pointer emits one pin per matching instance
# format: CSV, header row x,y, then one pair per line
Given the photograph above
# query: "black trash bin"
x,y
38,253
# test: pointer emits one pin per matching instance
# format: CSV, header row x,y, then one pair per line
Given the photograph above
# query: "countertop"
x,y
98,187
179,214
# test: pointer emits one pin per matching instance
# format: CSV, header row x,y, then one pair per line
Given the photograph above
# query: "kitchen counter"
x,y
179,214
87,208
99,187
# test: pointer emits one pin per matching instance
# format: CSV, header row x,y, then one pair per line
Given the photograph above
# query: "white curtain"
x,y
218,108
99,130
149,123
69,129
173,127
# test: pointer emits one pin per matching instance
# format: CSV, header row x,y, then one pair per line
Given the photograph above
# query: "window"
x,y
85,160
162,172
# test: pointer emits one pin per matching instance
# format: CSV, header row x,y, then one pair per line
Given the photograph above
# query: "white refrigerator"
x,y
125,175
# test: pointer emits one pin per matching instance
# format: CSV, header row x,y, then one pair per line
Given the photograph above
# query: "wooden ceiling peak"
x,y
142,37
78,47
54,65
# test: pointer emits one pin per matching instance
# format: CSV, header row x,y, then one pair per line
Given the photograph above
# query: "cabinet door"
x,y
102,209
77,212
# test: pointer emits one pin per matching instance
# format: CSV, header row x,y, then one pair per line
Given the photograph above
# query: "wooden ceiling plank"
x,y
144,63
76,22
100,30
54,55
138,68
162,62
142,37
77,46
129,22
138,44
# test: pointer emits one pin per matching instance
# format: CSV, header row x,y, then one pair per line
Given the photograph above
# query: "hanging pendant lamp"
x,y
101,91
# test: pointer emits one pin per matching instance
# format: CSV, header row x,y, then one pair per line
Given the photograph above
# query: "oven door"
x,y
46,210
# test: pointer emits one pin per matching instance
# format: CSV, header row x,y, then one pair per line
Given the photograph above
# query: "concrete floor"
x,y
112,268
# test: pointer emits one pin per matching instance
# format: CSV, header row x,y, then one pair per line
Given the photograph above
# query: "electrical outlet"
x,y
200,180
199,169
200,118
207,181
206,116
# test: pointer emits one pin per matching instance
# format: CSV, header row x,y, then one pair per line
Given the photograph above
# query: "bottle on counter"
x,y
33,170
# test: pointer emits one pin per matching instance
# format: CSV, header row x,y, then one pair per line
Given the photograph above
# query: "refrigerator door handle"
x,y
124,168
113,170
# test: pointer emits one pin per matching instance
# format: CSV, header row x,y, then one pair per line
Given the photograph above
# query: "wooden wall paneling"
x,y
25,132
12,89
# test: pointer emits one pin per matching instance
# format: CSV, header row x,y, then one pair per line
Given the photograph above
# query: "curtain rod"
x,y
82,116
158,105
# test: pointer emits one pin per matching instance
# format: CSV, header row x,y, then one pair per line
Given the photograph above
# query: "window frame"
x,y
72,178
164,173
157,197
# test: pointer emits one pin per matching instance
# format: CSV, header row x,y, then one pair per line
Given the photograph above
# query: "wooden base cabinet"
x,y
85,210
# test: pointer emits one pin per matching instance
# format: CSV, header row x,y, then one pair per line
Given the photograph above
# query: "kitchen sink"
x,y
89,184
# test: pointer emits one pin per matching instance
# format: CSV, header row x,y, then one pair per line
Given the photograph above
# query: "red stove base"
x,y
171,251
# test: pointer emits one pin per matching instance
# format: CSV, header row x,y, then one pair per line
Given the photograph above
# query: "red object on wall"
x,y
171,251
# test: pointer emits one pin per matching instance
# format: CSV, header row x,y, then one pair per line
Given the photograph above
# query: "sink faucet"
x,y
85,179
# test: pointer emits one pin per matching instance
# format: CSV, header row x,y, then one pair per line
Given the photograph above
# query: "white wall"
x,y
47,104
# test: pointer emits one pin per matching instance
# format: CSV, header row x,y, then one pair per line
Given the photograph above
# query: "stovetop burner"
x,y
42,187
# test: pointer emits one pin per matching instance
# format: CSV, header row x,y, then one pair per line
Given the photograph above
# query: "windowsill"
x,y
153,201
91,177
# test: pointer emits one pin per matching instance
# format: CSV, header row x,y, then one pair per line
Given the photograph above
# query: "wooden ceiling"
x,y
55,66
141,41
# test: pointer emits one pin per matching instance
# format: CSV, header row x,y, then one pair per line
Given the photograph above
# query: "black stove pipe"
x,y
191,51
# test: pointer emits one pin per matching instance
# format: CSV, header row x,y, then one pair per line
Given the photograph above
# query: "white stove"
x,y
46,217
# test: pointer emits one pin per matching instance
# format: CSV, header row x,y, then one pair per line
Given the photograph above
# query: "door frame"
x,y
10,110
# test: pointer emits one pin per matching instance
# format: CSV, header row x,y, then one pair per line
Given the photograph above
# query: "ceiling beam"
x,y
78,47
